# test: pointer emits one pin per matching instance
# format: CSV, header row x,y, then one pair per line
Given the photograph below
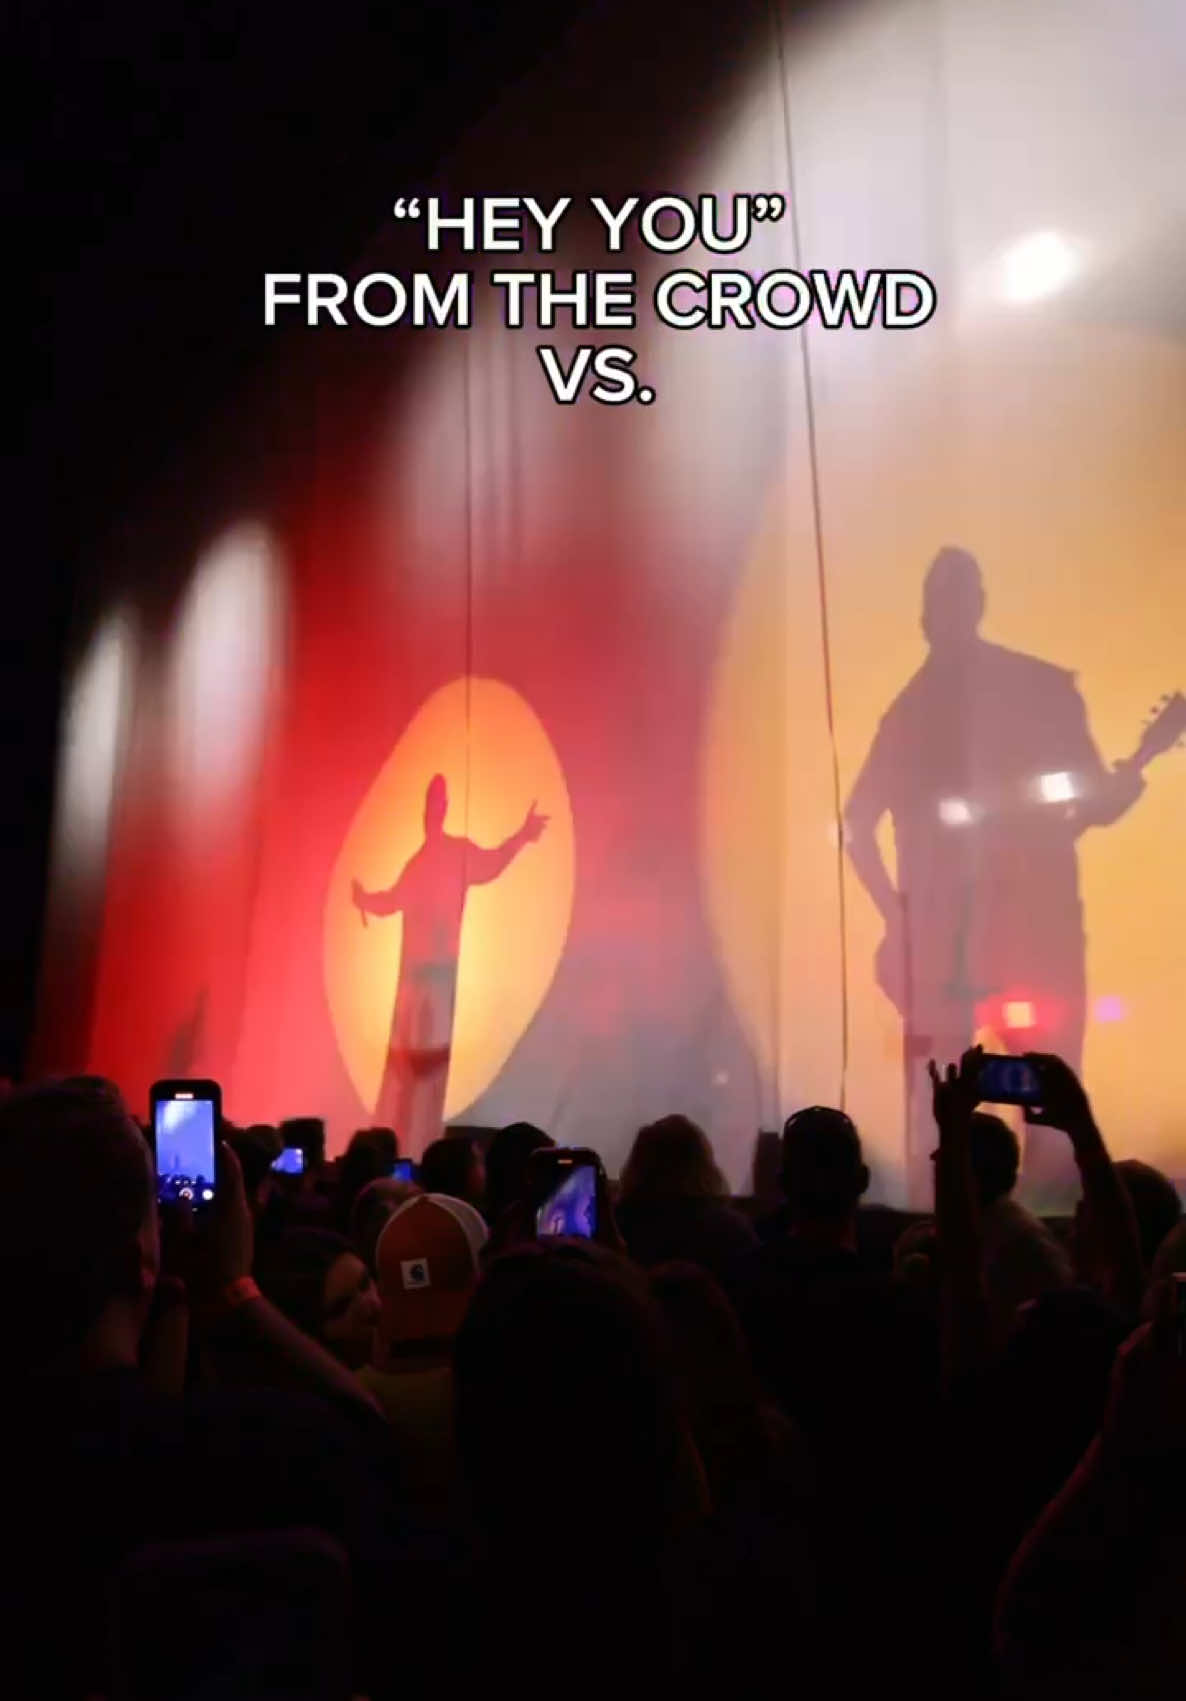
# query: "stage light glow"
x,y
226,651
1018,1014
1037,267
94,735
1056,788
955,812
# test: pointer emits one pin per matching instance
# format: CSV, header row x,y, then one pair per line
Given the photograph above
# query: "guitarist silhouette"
x,y
987,768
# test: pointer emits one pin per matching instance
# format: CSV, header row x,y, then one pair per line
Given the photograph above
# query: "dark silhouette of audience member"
x,y
756,1565
1156,1206
1092,1603
370,1156
374,1206
110,1464
749,1449
427,1257
1021,1259
851,1357
319,1282
430,895
987,769
507,1158
569,1431
455,1166
257,1147
673,1202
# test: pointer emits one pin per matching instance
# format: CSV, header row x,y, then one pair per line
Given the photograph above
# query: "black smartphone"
x,y
563,1187
185,1120
290,1162
1008,1080
403,1170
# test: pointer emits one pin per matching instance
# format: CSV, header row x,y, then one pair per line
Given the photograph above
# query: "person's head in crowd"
x,y
914,1255
455,1166
1055,1366
1155,1203
567,1407
671,1159
427,1259
307,1132
994,1153
378,1201
79,1242
321,1284
257,1147
734,1431
506,1166
824,1176
371,1154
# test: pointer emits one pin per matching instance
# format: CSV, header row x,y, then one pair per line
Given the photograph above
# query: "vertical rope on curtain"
x,y
820,560
467,405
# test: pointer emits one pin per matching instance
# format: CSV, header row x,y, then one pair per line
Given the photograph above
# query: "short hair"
x,y
672,1159
506,1164
76,1190
446,1164
1155,1204
378,1201
256,1148
372,1153
995,1156
562,1357
823,1168
291,1272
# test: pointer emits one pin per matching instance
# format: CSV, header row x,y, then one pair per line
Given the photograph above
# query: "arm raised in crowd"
x,y
247,1339
964,1322
1111,1246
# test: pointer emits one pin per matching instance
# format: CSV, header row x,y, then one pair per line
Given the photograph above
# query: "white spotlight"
x,y
1037,266
93,736
1056,788
954,812
227,645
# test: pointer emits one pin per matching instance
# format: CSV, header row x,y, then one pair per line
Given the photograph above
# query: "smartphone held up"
x,y
185,1120
564,1187
1009,1080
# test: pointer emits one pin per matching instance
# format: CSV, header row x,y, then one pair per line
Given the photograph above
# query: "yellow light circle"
x,y
497,760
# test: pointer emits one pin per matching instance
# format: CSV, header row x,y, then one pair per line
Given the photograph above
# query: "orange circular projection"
x,y
1054,454
509,922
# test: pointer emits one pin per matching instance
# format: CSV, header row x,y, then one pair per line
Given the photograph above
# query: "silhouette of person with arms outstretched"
x,y
987,768
430,895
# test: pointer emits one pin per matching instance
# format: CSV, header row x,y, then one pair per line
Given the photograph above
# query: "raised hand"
x,y
1064,1103
533,825
955,1093
359,899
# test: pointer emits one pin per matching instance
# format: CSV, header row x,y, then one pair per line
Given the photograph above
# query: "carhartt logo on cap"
x,y
414,1272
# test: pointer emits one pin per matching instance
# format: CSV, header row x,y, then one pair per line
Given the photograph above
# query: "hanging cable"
x,y
820,561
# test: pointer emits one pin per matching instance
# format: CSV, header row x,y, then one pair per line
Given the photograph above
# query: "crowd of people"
x,y
345,1433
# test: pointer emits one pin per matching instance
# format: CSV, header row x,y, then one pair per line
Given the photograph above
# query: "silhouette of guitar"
x,y
1165,728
